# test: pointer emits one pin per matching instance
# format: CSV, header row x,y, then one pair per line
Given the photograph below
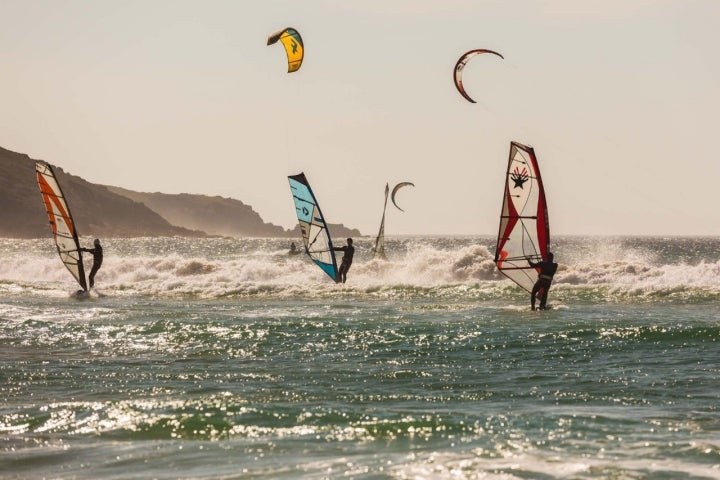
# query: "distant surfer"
x,y
293,249
547,271
346,260
97,254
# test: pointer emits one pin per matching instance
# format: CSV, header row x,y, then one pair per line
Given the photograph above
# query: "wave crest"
x,y
425,267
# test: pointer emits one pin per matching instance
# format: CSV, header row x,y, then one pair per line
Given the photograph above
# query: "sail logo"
x,y
519,177
503,255
55,208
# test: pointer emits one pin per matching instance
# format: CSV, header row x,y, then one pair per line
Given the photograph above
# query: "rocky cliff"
x,y
107,211
96,210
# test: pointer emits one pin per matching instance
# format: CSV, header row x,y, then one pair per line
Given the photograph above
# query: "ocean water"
x,y
222,358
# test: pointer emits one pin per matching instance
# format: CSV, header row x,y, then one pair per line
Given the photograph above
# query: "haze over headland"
x,y
113,211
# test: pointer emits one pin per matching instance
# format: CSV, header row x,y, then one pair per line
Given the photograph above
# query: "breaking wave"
x,y
590,269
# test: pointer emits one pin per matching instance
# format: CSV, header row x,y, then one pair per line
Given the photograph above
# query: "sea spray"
x,y
609,268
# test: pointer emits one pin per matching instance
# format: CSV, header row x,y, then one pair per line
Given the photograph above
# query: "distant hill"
x,y
218,215
96,210
105,211
214,215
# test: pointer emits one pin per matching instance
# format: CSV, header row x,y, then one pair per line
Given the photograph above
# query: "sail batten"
x,y
524,232
312,225
61,222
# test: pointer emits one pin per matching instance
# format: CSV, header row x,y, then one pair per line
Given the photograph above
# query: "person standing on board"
x,y
346,260
547,271
97,254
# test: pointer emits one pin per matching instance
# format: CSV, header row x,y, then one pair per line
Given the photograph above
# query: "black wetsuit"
x,y
547,271
346,261
97,254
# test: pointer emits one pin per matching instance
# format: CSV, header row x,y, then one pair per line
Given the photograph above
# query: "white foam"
x,y
226,267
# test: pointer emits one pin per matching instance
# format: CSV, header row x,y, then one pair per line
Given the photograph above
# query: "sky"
x,y
619,98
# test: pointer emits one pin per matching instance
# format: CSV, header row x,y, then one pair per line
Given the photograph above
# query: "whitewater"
x,y
229,358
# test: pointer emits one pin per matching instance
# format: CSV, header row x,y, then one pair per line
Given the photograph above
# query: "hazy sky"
x,y
620,99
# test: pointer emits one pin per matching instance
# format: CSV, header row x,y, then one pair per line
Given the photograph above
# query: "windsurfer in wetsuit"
x,y
547,271
97,254
346,260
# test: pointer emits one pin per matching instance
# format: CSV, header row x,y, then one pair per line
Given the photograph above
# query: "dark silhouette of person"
x,y
293,249
542,285
97,254
346,260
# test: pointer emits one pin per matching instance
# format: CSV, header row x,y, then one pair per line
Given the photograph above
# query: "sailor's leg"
x,y
534,292
543,297
92,276
341,274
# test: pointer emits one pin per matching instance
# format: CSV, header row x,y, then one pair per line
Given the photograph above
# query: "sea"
x,y
218,358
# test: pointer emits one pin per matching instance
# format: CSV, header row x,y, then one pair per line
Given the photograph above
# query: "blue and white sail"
x,y
316,236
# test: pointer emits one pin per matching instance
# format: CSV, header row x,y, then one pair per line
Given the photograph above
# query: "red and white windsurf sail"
x,y
524,229
61,222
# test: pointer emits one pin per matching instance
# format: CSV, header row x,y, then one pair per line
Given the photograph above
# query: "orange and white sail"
x,y
61,222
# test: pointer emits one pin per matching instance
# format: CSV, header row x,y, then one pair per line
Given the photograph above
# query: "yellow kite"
x,y
293,44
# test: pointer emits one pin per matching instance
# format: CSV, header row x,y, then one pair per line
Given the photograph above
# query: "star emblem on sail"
x,y
519,177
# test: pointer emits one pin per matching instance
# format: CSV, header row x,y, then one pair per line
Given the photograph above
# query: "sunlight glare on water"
x,y
191,366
